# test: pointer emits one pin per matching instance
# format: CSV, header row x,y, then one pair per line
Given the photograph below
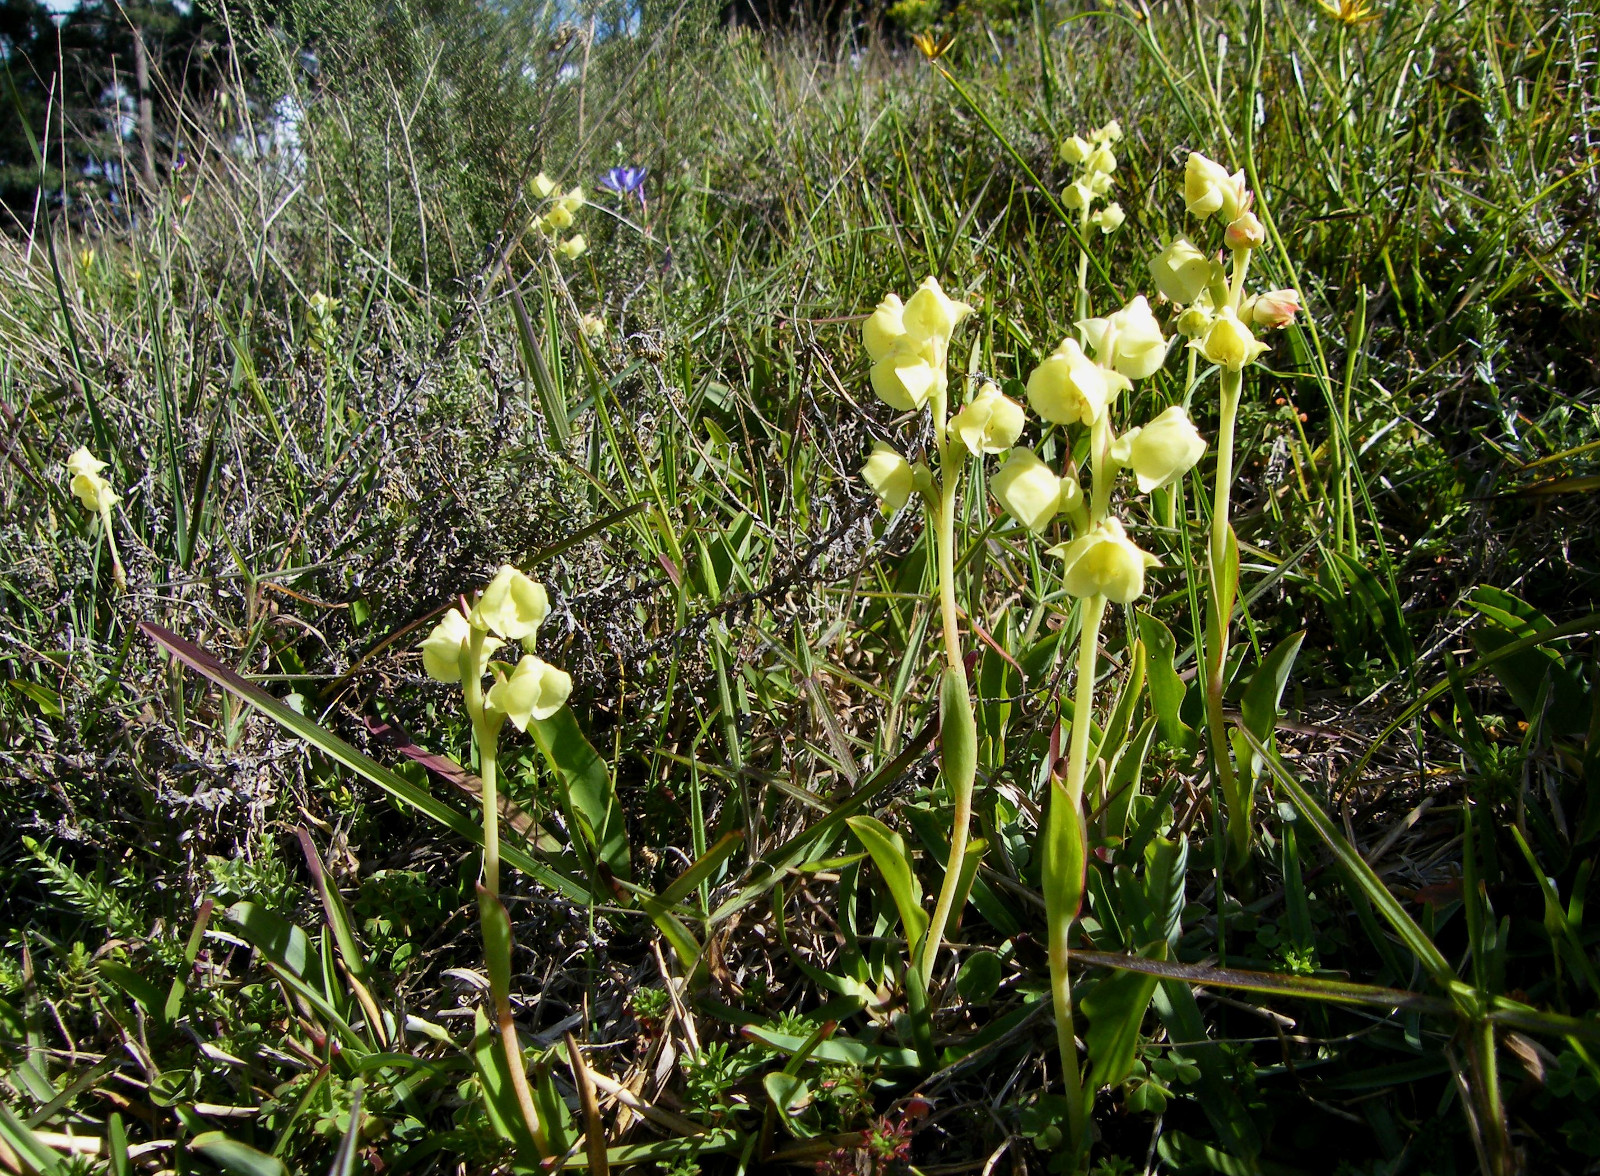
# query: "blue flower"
x,y
624,181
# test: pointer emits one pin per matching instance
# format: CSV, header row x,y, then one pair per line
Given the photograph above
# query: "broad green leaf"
x,y
958,732
893,859
588,790
496,925
789,1093
136,987
835,1049
277,939
1118,725
1259,706
1126,774
979,977
494,1080
1115,1008
1184,1152
1167,690
1523,673
1064,857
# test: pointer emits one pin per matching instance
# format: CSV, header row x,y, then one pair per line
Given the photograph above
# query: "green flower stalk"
x,y
1101,566
909,345
1218,320
458,650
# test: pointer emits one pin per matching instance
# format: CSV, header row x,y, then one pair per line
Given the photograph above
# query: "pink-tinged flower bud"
x,y
1244,232
1275,308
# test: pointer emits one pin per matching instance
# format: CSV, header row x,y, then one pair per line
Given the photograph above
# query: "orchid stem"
x,y
1224,585
958,779
1063,864
118,574
486,734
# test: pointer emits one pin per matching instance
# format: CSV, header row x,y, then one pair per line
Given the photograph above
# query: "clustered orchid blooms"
x,y
461,649
909,346
1078,385
558,215
1220,320
94,491
1097,165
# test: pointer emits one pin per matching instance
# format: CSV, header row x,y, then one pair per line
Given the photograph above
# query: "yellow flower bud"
x,y
1196,321
442,648
1105,562
573,200
1110,218
1069,387
1180,271
592,326
573,247
904,378
1029,490
558,219
1162,451
91,489
930,314
512,606
889,475
534,690
1228,342
1275,308
1076,149
1244,232
1110,133
1099,183
1208,188
1129,341
883,326
542,186
990,424
1101,159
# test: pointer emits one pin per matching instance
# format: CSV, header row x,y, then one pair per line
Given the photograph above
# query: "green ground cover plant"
x,y
1010,591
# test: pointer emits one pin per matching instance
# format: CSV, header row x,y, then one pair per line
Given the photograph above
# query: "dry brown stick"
x,y
594,1136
